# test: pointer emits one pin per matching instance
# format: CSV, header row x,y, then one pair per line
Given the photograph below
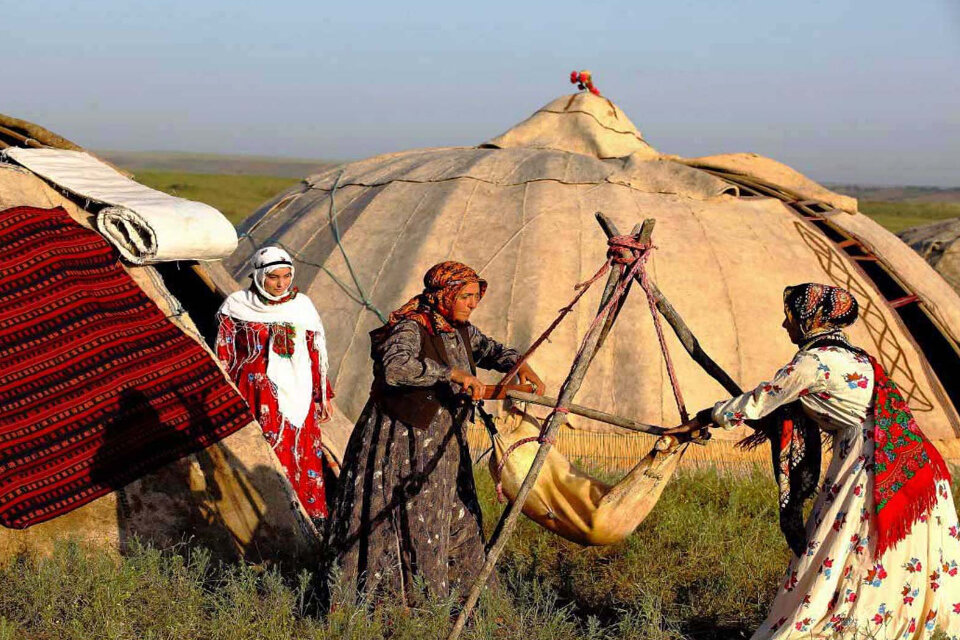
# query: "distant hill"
x,y
899,194
214,163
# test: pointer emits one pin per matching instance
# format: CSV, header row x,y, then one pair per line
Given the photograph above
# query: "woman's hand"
x,y
470,383
528,376
692,427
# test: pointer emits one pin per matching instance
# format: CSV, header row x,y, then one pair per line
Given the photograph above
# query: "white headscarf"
x,y
292,376
267,260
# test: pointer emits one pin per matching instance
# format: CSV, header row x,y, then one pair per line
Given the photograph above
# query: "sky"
x,y
846,91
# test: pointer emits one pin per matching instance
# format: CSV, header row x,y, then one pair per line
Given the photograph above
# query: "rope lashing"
x,y
626,249
622,250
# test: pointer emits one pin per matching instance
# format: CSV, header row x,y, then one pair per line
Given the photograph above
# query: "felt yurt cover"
x,y
732,231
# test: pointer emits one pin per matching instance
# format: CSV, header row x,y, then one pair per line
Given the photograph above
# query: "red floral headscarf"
x,y
432,308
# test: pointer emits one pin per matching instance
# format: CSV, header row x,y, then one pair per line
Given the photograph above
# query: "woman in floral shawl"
x,y
878,557
407,514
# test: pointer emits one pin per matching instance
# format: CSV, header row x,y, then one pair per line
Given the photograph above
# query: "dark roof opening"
x,y
941,352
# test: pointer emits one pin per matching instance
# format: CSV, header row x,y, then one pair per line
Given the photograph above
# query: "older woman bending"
x,y
407,507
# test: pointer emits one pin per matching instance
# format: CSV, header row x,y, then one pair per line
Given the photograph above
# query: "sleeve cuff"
x,y
716,414
727,419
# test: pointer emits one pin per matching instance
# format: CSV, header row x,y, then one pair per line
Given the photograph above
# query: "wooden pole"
x,y
587,412
37,133
22,139
680,328
643,231
508,520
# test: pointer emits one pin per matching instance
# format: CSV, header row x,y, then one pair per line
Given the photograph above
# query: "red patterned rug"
x,y
97,386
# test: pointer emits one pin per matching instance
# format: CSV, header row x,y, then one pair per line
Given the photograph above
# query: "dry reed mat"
x,y
617,453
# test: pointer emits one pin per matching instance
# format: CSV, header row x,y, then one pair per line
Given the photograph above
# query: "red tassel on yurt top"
x,y
584,80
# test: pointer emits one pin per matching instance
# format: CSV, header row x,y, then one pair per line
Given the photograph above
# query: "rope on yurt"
x,y
633,254
357,293
365,301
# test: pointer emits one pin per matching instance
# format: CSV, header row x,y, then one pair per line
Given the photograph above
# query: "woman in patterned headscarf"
x,y
407,507
878,556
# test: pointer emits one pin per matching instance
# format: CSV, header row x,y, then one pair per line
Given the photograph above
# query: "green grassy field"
x,y
897,216
215,163
705,564
236,196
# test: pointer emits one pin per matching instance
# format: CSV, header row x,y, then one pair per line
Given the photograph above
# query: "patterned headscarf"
x,y
432,308
819,308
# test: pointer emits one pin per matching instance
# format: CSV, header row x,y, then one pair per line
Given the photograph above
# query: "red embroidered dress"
x,y
246,348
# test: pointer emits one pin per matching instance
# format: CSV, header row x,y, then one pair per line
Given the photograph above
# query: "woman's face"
x,y
466,301
793,329
277,282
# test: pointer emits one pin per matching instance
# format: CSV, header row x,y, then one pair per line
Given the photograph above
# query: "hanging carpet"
x,y
97,386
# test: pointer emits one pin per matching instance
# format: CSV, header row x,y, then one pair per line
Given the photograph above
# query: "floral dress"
x,y
837,588
243,347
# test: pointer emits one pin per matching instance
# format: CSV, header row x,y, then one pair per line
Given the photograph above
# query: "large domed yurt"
x,y
117,421
939,244
731,231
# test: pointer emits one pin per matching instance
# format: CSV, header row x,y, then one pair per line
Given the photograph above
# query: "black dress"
x,y
407,505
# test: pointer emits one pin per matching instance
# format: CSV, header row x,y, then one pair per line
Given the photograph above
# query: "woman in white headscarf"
x,y
271,340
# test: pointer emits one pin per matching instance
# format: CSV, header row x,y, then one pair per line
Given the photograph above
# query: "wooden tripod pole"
x,y
680,328
568,390
644,230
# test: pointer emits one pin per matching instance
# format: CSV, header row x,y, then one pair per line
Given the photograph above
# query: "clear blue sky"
x,y
861,91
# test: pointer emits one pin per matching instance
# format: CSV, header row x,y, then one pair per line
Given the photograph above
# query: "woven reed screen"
x,y
615,453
